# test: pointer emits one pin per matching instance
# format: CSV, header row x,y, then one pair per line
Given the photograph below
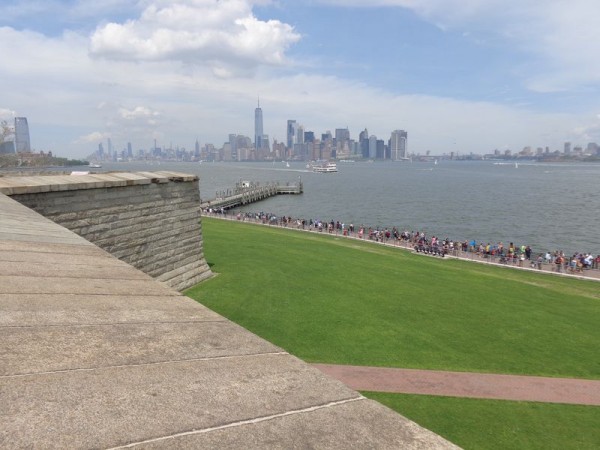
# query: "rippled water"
x,y
547,206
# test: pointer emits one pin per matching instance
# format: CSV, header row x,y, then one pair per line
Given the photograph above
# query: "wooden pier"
x,y
249,192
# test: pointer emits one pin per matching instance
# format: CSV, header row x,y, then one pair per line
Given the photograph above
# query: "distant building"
x,y
380,149
300,135
567,147
342,134
7,138
22,143
398,147
264,143
258,127
292,128
372,146
7,147
363,143
233,145
592,148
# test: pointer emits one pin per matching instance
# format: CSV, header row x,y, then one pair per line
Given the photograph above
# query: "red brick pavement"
x,y
466,384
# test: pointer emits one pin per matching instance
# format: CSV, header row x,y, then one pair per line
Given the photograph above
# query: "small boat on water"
x,y
325,167
94,166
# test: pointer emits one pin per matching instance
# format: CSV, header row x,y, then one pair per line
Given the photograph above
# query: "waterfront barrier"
x,y
245,193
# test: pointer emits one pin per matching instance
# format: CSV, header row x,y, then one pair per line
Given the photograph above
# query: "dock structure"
x,y
249,192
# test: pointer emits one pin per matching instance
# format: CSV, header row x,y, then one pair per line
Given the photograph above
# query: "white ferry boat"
x,y
94,165
326,167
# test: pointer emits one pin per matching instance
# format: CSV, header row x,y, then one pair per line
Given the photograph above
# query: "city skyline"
x,y
304,145
461,76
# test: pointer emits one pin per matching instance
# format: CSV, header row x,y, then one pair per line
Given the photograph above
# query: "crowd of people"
x,y
419,241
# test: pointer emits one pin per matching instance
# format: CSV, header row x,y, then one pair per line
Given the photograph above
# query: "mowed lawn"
x,y
500,424
337,300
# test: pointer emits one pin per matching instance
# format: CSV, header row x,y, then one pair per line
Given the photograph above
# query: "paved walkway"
x,y
466,384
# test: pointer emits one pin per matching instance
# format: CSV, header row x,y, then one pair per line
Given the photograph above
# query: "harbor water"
x,y
552,206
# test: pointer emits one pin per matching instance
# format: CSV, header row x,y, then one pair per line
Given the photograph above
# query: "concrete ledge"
x,y
50,183
51,310
150,220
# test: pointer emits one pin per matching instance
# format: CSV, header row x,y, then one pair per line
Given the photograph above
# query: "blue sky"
x,y
458,75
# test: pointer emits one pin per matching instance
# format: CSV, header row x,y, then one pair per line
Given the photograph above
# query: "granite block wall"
x,y
155,227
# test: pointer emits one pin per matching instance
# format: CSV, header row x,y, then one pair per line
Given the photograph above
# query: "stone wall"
x,y
153,224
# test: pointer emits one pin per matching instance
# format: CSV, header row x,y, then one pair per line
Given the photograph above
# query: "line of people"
x,y
521,256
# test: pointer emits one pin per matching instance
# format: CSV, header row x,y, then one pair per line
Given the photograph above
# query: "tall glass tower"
x,y
22,143
398,145
292,128
258,127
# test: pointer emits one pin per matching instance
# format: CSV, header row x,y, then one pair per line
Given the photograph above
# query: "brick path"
x,y
466,384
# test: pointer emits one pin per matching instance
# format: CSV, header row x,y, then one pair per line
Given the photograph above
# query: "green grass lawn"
x,y
336,300
500,424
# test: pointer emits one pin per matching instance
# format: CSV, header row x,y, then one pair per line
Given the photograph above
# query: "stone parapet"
x,y
150,220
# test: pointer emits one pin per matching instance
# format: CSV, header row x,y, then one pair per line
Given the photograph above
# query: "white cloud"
x,y
139,112
93,137
222,34
7,114
590,132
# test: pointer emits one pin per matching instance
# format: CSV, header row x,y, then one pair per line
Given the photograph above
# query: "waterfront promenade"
x,y
475,257
96,354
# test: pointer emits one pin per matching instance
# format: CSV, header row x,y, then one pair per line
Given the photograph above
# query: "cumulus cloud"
x,y
223,34
93,137
134,123
7,114
589,132
139,113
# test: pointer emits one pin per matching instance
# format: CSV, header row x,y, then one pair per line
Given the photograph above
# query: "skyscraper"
x,y
292,127
372,146
398,145
363,143
342,134
258,127
22,143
